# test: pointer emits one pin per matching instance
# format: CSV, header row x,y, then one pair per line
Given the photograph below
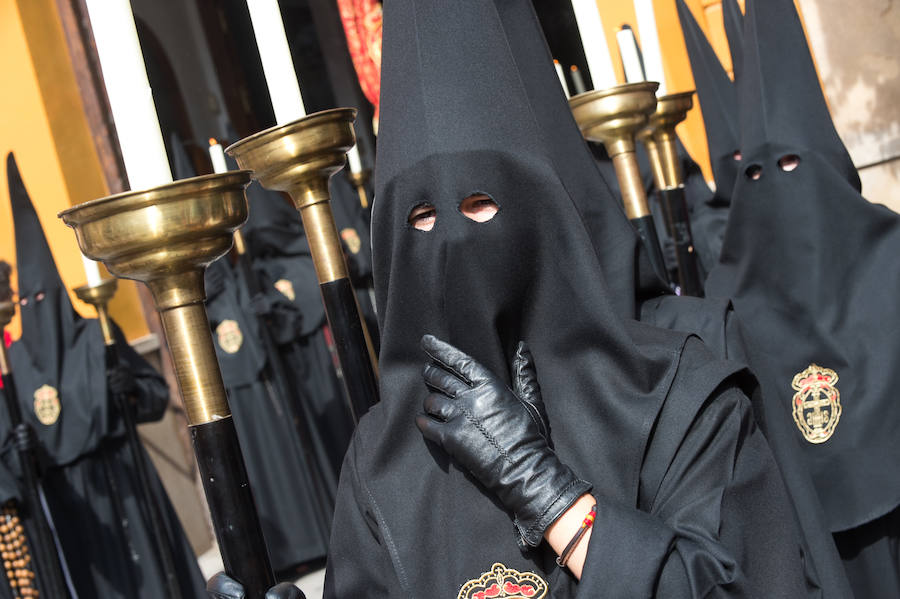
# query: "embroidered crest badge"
x,y
230,336
504,583
286,288
46,405
816,403
351,238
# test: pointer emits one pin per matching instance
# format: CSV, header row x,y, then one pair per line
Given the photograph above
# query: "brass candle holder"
x,y
98,296
671,110
614,117
165,237
359,181
299,158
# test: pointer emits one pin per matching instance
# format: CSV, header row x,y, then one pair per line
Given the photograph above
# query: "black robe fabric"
x,y
812,267
650,417
295,520
60,376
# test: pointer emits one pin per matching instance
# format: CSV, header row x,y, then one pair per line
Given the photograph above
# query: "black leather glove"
x,y
24,438
120,381
222,586
501,436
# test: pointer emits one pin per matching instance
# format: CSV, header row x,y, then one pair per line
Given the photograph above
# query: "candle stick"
x,y
217,155
130,97
631,55
354,160
562,78
577,80
278,66
653,61
92,269
590,27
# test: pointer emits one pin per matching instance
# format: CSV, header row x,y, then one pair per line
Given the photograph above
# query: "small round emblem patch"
x,y
230,336
816,403
46,405
505,583
351,238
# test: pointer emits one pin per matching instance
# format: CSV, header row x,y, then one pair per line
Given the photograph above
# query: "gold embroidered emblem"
x,y
504,583
46,405
816,403
286,288
230,336
351,238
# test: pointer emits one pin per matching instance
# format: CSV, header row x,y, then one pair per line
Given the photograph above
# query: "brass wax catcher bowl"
x,y
165,237
613,116
99,294
299,158
670,110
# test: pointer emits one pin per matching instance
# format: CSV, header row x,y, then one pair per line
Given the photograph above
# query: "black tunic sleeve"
x,y
717,522
359,564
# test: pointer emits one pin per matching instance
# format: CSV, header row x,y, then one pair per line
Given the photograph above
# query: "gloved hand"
x,y
120,381
24,438
501,436
222,586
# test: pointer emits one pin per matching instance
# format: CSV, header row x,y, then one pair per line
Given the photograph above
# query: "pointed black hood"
x,y
812,267
58,362
782,101
718,103
734,31
48,318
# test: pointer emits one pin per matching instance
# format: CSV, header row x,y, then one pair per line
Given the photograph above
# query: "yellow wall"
x,y
42,122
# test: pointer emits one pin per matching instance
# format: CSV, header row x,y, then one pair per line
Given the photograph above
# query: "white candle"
x,y
353,160
278,66
217,155
631,60
562,78
92,269
653,61
590,27
130,98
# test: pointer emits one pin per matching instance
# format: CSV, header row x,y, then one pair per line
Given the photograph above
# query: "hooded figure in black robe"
x,y
62,385
813,268
637,293
690,502
281,258
295,515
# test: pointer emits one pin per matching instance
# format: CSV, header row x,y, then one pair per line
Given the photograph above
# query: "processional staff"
x,y
299,158
669,178
51,569
98,296
660,141
613,116
165,237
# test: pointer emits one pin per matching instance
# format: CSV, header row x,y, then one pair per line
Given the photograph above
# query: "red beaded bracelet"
x,y
588,522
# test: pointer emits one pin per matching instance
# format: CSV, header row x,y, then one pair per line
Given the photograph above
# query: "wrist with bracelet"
x,y
586,525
